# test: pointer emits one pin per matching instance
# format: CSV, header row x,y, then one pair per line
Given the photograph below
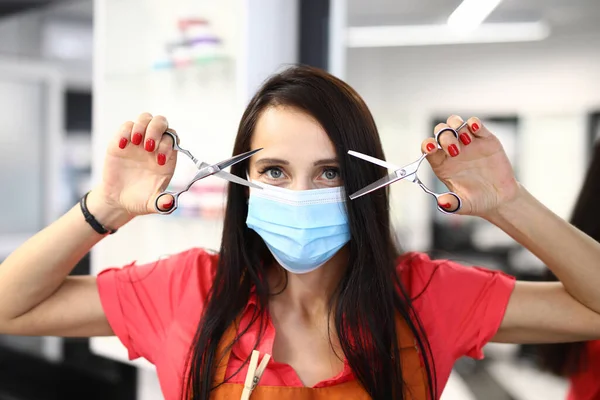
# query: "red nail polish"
x,y
122,143
167,206
447,205
475,127
136,139
453,150
150,145
465,139
430,146
161,158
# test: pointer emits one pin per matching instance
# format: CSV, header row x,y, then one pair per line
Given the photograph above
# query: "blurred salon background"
x,y
71,71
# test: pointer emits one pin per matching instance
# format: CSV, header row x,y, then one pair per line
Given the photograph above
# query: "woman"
x,y
305,282
580,361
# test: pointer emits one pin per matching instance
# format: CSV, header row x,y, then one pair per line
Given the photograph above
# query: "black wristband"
x,y
89,218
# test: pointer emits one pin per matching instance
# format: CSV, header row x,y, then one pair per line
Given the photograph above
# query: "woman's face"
x,y
297,153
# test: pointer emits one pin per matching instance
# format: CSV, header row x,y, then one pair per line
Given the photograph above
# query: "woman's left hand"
x,y
474,166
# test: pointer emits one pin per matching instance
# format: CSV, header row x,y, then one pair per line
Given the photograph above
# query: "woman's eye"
x,y
274,173
331,174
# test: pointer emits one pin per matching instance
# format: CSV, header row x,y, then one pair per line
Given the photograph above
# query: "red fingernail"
x,y
136,139
475,127
430,146
161,158
122,143
447,205
150,145
453,150
465,139
167,206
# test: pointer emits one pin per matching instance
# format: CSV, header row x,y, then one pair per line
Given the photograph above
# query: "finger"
x,y
139,129
448,202
154,133
165,153
165,202
429,146
477,128
455,122
434,157
448,141
124,134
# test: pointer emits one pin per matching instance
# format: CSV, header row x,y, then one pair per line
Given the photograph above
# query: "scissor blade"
x,y
202,173
236,159
385,181
373,160
236,179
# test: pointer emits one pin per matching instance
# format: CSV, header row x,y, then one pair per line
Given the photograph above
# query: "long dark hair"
x,y
369,296
566,359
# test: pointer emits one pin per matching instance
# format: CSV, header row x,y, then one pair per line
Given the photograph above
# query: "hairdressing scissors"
x,y
407,172
205,170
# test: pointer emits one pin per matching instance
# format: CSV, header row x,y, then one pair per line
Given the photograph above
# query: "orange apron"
x,y
413,373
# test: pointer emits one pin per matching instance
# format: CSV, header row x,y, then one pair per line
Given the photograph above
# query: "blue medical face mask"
x,y
303,229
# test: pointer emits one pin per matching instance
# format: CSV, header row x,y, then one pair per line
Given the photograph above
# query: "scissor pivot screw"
x,y
402,172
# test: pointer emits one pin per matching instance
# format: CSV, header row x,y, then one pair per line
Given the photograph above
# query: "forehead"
x,y
285,132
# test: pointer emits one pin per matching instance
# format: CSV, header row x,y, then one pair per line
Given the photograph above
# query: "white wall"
x,y
549,85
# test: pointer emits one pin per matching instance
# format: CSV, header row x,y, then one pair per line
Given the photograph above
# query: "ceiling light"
x,y
423,35
471,13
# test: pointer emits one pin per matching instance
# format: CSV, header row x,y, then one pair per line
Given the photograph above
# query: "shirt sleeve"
x,y
461,307
140,301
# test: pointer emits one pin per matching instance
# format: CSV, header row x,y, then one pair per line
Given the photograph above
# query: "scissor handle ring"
x,y
439,133
173,206
174,136
448,129
442,209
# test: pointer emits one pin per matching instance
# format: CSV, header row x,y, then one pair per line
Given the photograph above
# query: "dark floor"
x,y
81,376
481,384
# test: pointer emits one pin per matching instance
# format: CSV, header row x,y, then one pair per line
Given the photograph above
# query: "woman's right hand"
x,y
140,162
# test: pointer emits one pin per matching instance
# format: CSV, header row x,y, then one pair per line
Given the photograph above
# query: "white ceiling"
x,y
564,16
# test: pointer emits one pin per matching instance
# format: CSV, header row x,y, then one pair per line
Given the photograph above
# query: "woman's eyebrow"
x,y
326,161
272,161
280,161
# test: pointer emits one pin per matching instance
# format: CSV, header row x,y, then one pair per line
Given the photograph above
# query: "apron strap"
x,y
413,372
224,351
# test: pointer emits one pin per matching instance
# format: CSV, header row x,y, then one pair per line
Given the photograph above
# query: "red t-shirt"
x,y
585,385
155,309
